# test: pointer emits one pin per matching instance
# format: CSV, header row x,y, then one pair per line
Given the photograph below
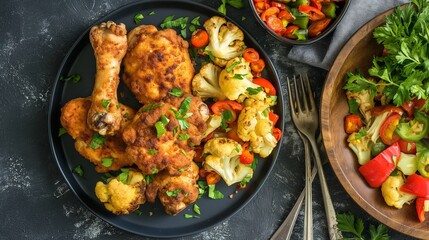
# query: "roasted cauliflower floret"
x,y
223,157
213,123
254,125
365,101
225,40
392,194
236,81
361,145
123,194
205,84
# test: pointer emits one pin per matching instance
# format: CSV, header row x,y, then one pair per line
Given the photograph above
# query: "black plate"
x,y
80,60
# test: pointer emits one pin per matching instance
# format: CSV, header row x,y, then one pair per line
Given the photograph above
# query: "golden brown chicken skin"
x,y
73,119
109,41
172,150
174,192
155,63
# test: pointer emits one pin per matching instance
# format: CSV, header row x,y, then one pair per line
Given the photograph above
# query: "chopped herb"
x,y
243,18
138,212
185,106
191,144
233,65
233,3
353,106
106,177
245,180
164,120
118,106
151,106
177,92
149,178
254,91
160,129
97,141
123,176
75,78
154,170
105,103
183,151
202,186
182,22
183,136
78,170
225,117
174,193
239,76
347,224
126,115
152,13
152,151
107,162
181,170
213,193
190,216
265,112
61,132
175,130
362,133
254,163
197,209
138,18
196,21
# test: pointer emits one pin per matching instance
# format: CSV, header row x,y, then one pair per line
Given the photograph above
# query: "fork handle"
x,y
308,208
331,217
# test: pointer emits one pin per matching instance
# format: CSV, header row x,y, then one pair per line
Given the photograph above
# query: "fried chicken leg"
x,y
73,120
109,42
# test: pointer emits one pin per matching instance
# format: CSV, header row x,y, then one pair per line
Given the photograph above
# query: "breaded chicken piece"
x,y
123,194
109,42
73,120
155,63
182,118
174,192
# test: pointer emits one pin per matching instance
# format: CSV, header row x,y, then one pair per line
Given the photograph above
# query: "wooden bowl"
x,y
357,54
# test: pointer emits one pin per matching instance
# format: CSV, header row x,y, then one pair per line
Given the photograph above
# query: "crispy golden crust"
x,y
73,119
156,62
153,154
175,192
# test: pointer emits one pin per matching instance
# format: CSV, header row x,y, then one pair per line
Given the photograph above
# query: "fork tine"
x,y
291,102
310,93
304,97
298,99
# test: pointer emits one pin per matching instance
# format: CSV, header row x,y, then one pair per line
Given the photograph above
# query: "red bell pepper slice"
x,y
246,156
378,169
222,105
387,129
313,13
416,185
407,147
420,208
267,85
378,110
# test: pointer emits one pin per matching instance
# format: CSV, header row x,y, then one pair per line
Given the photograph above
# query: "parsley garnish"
x,y
107,162
348,224
149,178
182,113
151,106
152,13
225,116
97,141
174,193
61,132
254,91
105,103
191,216
182,22
232,66
213,193
197,209
152,151
75,78
202,186
78,170
177,92
123,176
183,136
234,3
138,18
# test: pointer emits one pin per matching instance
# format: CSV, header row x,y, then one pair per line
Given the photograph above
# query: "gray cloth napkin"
x,y
322,53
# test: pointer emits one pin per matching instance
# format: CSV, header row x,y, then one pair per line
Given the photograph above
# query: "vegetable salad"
x,y
388,123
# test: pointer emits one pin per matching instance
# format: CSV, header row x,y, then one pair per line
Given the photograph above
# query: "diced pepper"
x,y
387,129
416,185
329,9
422,206
246,156
423,163
313,13
301,21
378,169
352,123
415,129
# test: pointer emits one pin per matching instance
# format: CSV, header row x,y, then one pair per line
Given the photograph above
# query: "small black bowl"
x,y
288,41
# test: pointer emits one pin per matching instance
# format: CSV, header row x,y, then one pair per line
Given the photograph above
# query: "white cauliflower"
x,y
254,125
365,101
205,84
123,194
223,157
225,40
235,81
213,123
392,194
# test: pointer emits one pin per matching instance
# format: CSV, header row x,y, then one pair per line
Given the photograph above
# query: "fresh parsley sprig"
x,y
349,225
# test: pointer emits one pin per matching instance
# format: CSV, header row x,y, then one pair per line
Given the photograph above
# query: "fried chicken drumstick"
x,y
109,42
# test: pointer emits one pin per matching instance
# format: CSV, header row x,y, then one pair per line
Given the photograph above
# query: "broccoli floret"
x,y
123,194
392,194
365,102
205,84
225,40
254,125
235,81
223,157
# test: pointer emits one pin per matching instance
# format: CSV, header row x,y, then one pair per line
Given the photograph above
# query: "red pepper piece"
x,y
378,169
416,185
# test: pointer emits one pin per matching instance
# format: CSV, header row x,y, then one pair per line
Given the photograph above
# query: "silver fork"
x,y
306,119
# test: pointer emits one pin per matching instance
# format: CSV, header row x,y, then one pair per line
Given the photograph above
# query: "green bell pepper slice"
x,y
329,9
414,130
423,163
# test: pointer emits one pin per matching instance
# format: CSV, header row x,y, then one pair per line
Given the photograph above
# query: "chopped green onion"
x,y
61,132
78,170
213,193
97,141
107,162
105,103
174,193
160,129
254,91
196,209
177,92
190,216
75,78
152,151
138,18
123,176
151,106
183,136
